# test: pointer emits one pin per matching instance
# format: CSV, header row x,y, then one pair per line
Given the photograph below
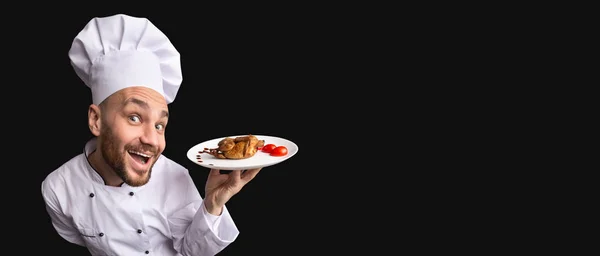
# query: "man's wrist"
x,y
212,207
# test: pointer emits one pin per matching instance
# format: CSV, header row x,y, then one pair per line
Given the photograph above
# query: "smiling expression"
x,y
132,133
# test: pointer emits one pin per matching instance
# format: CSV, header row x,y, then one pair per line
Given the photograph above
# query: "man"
x,y
121,196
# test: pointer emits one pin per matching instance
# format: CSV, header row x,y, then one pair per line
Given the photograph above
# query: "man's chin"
x,y
137,178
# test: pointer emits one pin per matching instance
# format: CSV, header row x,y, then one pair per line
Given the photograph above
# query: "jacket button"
x,y
91,194
131,193
147,252
101,234
139,231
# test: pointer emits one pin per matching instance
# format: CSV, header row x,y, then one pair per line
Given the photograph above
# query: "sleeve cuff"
x,y
222,227
212,221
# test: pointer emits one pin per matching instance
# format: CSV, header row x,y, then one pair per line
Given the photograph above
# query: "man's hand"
x,y
221,187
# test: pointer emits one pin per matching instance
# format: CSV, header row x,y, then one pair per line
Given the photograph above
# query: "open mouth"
x,y
139,157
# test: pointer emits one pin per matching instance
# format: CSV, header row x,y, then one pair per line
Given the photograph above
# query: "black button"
x,y
101,234
147,252
131,193
91,194
139,231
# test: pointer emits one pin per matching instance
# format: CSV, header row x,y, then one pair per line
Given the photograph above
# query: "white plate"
x,y
260,159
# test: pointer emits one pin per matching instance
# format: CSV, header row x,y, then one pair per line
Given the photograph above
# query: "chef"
x,y
121,196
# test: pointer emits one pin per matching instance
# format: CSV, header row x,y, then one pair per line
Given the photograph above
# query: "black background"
x,y
270,73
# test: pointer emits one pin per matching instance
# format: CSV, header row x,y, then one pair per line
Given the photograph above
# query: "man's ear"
x,y
94,116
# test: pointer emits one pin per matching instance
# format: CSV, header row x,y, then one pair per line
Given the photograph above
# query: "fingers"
x,y
217,172
238,175
250,174
235,178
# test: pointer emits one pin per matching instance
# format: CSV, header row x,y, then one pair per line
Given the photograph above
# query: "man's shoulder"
x,y
170,170
61,175
170,165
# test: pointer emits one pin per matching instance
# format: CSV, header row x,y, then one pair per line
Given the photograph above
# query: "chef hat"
x,y
119,51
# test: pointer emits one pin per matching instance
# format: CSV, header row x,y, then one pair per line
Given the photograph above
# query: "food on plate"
x,y
274,150
268,148
236,148
279,151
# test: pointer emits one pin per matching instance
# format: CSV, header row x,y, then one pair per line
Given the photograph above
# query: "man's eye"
x,y
159,127
134,118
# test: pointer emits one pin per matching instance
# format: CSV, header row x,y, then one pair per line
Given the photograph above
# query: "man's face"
x,y
132,133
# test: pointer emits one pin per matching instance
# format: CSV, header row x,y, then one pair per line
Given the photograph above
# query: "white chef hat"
x,y
119,51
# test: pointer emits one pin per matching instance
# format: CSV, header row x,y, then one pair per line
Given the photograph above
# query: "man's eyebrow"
x,y
143,105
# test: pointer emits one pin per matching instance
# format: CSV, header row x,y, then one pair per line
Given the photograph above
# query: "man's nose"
x,y
150,136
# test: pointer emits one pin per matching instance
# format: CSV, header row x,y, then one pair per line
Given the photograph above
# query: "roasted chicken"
x,y
236,148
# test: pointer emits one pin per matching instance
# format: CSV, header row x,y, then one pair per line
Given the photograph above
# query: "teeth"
x,y
138,153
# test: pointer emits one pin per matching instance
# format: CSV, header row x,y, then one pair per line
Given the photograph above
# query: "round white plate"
x,y
260,159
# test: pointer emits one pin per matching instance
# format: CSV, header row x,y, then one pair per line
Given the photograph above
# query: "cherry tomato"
x,y
268,148
279,151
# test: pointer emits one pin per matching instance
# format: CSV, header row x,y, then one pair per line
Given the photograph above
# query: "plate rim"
x,y
284,158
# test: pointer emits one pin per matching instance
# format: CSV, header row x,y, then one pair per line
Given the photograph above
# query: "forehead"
x,y
132,95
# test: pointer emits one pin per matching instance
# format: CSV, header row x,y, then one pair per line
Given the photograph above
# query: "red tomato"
x,y
268,148
279,151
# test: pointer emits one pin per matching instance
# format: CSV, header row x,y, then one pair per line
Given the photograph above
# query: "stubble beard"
x,y
115,158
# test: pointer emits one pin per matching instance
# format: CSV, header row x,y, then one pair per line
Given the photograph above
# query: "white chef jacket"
x,y
164,217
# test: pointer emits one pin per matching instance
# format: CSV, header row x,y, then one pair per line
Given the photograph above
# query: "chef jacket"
x,y
164,217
